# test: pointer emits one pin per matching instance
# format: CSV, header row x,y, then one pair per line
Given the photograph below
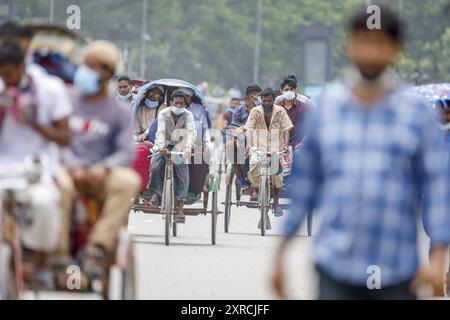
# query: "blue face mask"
x,y
151,104
87,80
258,102
178,111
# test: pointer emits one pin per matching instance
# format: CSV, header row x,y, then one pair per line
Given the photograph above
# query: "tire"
x,y
129,280
122,274
174,229
263,194
227,212
168,210
214,218
8,284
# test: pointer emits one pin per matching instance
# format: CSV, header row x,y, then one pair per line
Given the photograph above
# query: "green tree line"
x,y
214,40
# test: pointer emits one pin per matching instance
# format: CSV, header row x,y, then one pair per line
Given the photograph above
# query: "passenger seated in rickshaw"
x,y
146,111
175,127
268,126
99,157
234,151
198,170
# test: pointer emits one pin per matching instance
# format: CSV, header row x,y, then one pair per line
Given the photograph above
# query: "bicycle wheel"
x,y
263,194
227,214
8,284
168,209
126,262
214,211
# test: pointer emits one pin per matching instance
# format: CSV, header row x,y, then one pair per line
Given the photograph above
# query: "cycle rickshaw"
x,y
211,181
264,158
15,271
58,51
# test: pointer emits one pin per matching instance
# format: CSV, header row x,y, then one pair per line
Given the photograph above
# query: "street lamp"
x,y
256,63
52,11
144,37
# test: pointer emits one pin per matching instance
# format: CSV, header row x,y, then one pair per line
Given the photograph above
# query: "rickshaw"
x,y
58,51
167,209
264,193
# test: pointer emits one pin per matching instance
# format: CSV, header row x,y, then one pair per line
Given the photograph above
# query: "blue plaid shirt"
x,y
364,171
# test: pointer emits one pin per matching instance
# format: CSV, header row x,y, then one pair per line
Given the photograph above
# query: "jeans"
x,y
331,289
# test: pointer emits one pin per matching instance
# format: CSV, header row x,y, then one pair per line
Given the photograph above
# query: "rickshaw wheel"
x,y
168,210
227,214
264,203
122,273
174,229
8,284
214,218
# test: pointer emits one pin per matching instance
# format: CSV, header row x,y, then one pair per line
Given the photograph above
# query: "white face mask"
x,y
354,77
178,111
125,97
289,95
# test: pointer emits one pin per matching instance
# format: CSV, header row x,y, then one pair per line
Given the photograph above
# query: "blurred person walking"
x,y
370,154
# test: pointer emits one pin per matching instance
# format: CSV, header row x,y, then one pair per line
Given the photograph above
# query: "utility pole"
x,y
52,11
400,7
143,38
258,42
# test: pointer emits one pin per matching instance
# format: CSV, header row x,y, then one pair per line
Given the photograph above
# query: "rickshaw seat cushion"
x,y
141,163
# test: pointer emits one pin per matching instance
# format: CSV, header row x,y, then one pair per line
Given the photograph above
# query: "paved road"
x,y
237,267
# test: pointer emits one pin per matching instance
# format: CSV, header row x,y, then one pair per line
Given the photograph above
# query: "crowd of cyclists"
x,y
85,135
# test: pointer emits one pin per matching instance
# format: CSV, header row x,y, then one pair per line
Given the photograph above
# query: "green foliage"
x,y
214,40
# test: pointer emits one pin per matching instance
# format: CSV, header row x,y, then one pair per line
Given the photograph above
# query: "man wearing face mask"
x,y
100,155
296,106
370,153
175,127
146,111
268,126
124,89
235,152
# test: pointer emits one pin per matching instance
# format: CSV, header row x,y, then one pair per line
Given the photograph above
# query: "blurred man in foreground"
x,y
101,152
370,154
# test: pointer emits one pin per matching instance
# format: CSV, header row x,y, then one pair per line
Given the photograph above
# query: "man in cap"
x,y
101,152
146,111
199,169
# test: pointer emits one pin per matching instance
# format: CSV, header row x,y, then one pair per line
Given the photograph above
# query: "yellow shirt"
x,y
272,139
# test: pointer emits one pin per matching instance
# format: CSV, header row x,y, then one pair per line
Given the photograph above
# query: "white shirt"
x,y
19,141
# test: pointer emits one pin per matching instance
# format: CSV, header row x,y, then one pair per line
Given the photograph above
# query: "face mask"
x,y
267,107
354,77
258,101
87,80
178,111
151,104
289,95
125,97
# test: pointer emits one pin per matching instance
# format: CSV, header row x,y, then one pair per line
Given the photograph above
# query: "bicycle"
x,y
15,179
265,181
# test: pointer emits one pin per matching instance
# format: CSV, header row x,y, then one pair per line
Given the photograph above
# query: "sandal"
x,y
277,211
154,201
179,216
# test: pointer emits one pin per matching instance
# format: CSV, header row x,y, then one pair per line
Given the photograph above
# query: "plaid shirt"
x,y
364,171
